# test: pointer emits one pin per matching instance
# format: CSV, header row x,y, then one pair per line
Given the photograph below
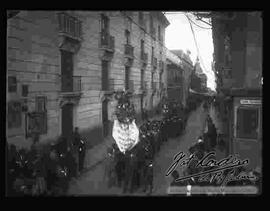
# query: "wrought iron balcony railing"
x,y
129,51
106,41
69,25
71,84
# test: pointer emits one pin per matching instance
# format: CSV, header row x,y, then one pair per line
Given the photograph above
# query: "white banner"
x,y
125,136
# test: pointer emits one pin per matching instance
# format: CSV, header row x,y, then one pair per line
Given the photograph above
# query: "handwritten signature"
x,y
216,168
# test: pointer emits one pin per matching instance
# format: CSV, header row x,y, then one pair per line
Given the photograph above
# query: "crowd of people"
x,y
46,171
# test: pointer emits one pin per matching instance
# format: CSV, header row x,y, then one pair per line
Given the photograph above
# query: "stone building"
x,y
187,70
64,66
174,77
238,48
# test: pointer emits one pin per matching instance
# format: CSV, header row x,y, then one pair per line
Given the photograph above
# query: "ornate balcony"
x,y
69,26
129,51
106,42
71,89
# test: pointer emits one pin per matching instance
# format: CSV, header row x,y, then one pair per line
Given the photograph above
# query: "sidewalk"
x,y
98,153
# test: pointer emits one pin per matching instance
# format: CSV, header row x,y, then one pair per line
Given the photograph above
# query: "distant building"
x,y
187,69
174,77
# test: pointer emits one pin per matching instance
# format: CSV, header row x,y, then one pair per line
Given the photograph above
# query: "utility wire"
x,y
196,42
197,24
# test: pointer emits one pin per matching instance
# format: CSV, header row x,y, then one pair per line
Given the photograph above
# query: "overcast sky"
x,y
179,36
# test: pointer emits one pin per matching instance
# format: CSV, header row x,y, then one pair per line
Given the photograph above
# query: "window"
x,y
14,115
128,24
24,90
104,24
12,84
41,104
69,25
142,47
104,76
142,79
159,34
38,120
141,18
127,35
247,122
151,26
127,70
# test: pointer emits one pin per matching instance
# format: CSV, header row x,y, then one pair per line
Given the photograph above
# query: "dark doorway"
x,y
105,120
67,120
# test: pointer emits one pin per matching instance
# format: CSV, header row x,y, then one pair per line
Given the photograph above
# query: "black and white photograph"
x,y
133,103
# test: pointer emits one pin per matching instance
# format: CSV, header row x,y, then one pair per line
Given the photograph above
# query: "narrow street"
x,y
93,182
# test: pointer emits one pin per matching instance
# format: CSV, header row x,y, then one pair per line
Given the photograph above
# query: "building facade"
x,y
175,78
187,69
237,40
63,68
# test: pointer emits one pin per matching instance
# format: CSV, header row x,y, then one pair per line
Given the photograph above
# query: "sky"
x,y
178,35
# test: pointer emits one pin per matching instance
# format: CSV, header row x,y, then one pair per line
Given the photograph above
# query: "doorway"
x,y
67,120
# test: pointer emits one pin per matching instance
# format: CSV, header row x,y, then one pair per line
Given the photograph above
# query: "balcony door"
x,y
67,71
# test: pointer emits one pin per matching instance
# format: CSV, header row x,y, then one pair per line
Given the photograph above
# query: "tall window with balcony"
x,y
106,40
159,34
144,56
70,83
105,75
69,25
127,35
141,20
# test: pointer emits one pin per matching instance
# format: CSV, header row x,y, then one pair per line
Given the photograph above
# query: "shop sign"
x,y
251,102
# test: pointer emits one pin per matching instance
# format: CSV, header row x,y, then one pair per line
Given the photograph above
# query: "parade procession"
x,y
103,103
